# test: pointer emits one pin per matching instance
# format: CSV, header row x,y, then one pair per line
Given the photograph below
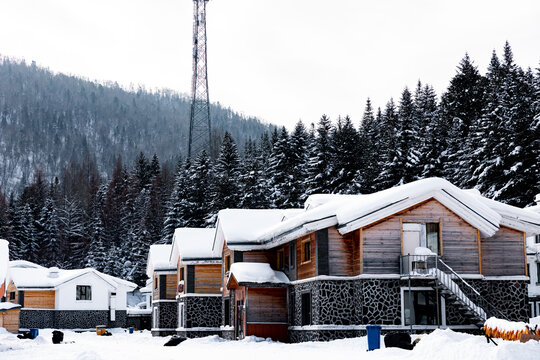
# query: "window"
x,y
155,283
306,251
537,239
280,259
181,274
12,295
84,292
292,254
227,263
529,273
227,308
537,273
420,235
420,307
306,308
432,237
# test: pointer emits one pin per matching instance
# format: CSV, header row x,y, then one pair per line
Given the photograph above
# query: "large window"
x,y
84,292
420,235
306,308
420,307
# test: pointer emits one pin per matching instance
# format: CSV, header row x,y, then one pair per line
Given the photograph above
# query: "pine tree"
x,y
346,176
389,153
5,232
49,234
320,162
254,191
197,211
174,216
226,179
369,149
300,142
27,236
431,133
97,252
280,177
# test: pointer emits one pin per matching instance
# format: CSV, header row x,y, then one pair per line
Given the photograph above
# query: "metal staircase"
x,y
445,280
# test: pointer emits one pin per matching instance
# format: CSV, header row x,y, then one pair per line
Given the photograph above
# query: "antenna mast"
x,y
199,122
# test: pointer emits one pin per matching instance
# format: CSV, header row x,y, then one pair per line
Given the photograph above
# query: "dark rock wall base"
x,y
70,319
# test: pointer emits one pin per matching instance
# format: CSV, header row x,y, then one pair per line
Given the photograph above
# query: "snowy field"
x,y
441,344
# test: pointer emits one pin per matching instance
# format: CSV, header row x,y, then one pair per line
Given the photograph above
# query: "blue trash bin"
x,y
373,337
34,333
131,330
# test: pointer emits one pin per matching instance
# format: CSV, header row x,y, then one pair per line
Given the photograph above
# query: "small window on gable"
x,y
12,295
280,259
227,263
306,251
84,292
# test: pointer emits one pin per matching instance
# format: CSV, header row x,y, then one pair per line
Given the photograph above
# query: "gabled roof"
x,y
26,275
351,212
194,245
159,259
259,273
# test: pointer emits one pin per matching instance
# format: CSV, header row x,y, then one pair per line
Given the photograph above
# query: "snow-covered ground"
x,y
441,344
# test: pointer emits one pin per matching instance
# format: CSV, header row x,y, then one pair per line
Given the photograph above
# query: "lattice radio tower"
x,y
199,122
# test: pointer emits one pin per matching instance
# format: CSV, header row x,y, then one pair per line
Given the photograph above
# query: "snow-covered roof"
x,y
26,276
195,245
159,258
8,306
248,272
247,225
351,212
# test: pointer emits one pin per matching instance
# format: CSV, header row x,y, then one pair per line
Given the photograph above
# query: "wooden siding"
x,y
266,305
381,242
341,253
208,279
260,257
305,270
170,283
9,319
503,254
226,252
39,299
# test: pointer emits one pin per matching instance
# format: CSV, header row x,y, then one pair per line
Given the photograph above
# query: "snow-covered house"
x,y
533,263
69,299
163,281
199,281
9,312
418,256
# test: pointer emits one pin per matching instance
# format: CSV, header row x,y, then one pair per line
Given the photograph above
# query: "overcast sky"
x,y
279,60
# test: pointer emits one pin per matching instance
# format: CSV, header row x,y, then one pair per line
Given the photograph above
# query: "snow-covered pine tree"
x,y
97,252
197,209
389,153
176,204
407,138
461,107
320,163
280,172
49,234
300,142
27,235
369,148
225,188
114,203
346,176
5,232
73,246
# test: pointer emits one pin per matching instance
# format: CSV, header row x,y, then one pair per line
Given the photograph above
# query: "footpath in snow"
x,y
441,344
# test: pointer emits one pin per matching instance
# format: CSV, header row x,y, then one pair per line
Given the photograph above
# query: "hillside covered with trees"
x,y
483,133
48,120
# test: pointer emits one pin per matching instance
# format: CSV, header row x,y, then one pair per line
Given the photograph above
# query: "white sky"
x,y
280,60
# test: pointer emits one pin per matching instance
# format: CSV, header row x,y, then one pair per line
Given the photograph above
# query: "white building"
x,y
76,299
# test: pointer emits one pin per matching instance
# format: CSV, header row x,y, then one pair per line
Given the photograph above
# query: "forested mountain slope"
x,y
48,120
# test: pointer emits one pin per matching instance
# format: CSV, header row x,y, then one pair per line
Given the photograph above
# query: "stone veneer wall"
x,y
167,313
202,311
70,319
378,301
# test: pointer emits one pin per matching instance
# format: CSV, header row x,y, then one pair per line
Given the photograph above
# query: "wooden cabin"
x,y
198,275
162,271
421,255
9,316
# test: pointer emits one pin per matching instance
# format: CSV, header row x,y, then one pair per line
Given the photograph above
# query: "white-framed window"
x,y
419,307
424,235
84,292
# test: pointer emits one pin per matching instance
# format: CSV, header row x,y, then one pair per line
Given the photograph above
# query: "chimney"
x,y
53,272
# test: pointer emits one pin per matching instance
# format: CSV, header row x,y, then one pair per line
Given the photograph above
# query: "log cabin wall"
x,y
381,242
208,279
503,254
305,269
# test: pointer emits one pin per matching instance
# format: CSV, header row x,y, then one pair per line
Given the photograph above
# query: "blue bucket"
x,y
131,330
34,333
373,337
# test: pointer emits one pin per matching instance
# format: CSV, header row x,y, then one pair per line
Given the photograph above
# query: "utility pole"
x,y
199,122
